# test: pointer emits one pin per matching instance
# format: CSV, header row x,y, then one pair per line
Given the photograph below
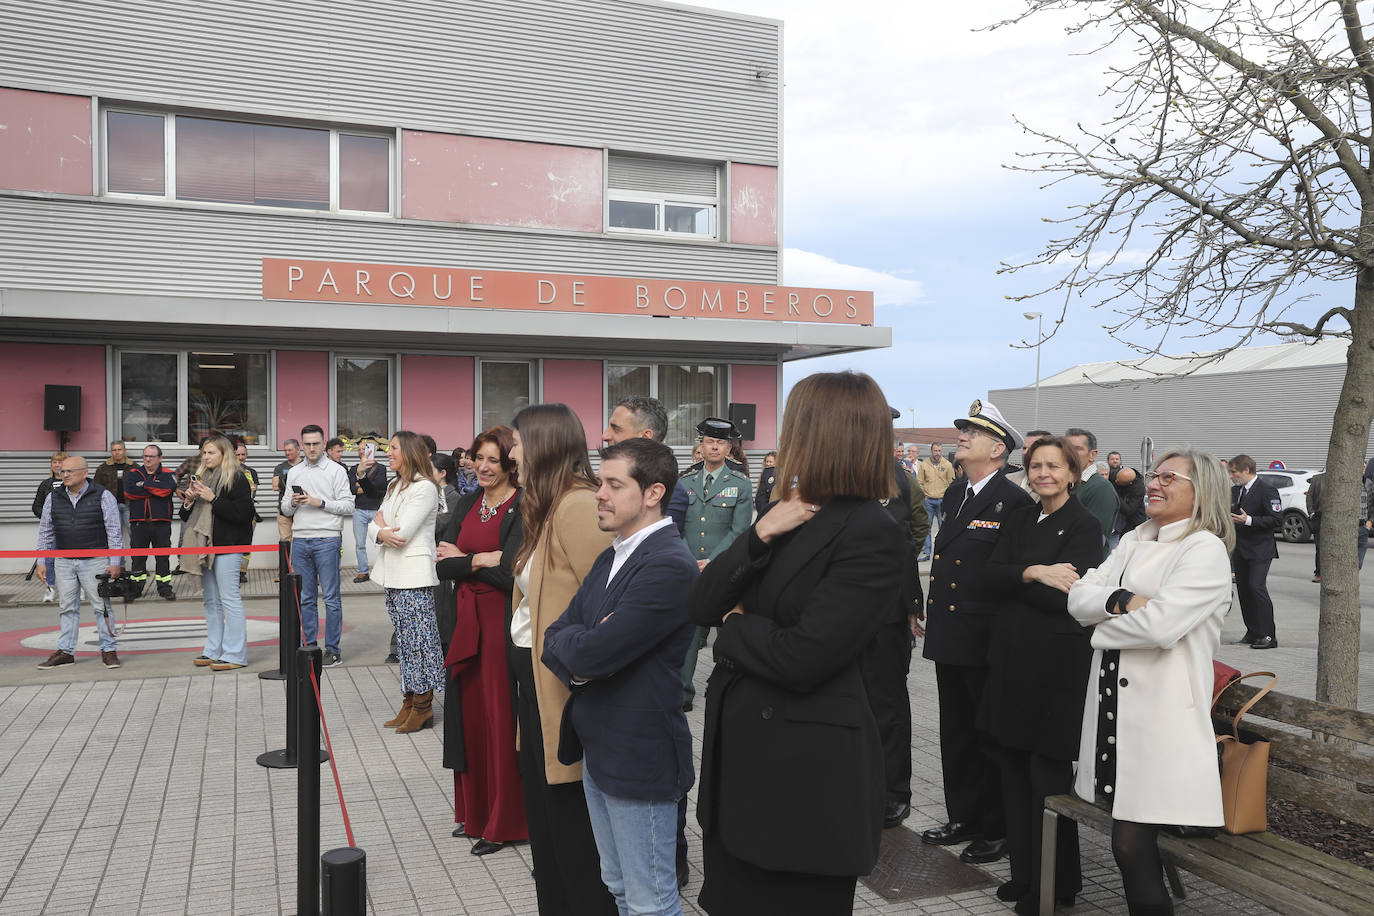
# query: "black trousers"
x,y
567,869
973,781
151,534
1315,523
1027,779
885,665
1252,587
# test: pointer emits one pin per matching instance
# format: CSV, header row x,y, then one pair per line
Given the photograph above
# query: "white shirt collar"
x,y
1088,471
976,488
624,547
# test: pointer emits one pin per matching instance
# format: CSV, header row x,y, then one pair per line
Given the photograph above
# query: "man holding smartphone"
x,y
317,500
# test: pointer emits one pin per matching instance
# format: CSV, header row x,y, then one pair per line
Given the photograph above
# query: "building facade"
x,y
379,216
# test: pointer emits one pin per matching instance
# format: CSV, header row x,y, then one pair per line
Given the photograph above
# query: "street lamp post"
x,y
1039,339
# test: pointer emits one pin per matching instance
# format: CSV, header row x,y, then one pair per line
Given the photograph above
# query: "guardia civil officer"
x,y
958,625
719,509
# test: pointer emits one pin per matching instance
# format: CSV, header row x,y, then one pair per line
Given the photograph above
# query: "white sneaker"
x,y
50,596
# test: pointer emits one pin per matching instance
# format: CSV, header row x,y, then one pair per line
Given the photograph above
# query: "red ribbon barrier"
x,y
130,552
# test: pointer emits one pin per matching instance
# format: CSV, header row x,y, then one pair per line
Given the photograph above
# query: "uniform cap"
x,y
987,417
717,428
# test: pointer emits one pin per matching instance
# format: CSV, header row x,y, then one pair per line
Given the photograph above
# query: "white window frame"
x,y
723,390
393,387
115,419
169,195
535,367
662,201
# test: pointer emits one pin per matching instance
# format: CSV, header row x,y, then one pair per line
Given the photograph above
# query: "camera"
x,y
122,587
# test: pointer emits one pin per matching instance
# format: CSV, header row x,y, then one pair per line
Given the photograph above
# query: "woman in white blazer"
x,y
1156,606
403,528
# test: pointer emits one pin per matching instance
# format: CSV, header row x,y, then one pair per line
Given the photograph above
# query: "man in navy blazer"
x,y
619,647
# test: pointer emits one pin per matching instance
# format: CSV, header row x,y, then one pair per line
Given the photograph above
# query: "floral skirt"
x,y
417,638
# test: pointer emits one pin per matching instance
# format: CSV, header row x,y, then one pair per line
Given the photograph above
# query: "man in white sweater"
x,y
317,498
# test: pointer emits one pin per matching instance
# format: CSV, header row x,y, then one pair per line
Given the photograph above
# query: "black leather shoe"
x,y
686,705
894,812
981,852
1012,892
1268,642
1245,640
458,831
949,834
486,847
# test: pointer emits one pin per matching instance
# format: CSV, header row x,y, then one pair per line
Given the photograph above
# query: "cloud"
x,y
806,268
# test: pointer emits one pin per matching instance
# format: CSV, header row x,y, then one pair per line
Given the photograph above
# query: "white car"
x,y
1292,487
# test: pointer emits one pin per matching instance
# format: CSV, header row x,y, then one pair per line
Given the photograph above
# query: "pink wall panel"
x,y
24,370
500,182
45,142
577,383
753,204
302,392
758,385
437,398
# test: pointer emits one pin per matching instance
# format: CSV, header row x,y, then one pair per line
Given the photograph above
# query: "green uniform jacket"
x,y
1098,496
718,516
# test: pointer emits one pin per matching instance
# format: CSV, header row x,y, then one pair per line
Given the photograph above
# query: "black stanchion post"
x,y
344,875
287,757
308,659
286,611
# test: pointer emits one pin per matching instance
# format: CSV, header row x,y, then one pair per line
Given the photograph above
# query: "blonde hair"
x,y
1211,495
221,478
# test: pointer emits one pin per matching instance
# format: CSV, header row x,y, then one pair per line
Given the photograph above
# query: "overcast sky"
x,y
898,122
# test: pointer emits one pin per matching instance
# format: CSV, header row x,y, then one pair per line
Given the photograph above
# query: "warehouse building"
x,y
379,216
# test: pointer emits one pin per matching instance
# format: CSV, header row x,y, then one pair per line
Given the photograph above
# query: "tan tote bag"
x,y
1244,758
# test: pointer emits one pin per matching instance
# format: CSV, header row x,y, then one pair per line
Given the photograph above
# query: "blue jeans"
x,y
317,562
933,511
361,517
50,567
72,577
637,841
226,629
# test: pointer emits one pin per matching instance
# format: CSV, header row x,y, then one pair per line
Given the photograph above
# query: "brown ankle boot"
x,y
405,710
421,713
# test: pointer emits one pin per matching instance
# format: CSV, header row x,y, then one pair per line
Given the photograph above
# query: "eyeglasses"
x,y
1166,478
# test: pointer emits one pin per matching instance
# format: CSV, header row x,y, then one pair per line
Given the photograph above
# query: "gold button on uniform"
x,y
954,585
958,562
951,607
937,556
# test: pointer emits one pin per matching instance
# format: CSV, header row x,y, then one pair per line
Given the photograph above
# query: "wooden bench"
x,y
1320,757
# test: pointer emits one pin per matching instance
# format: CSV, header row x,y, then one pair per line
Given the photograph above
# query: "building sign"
x,y
447,287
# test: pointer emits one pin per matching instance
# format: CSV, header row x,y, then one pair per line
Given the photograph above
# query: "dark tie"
x,y
710,479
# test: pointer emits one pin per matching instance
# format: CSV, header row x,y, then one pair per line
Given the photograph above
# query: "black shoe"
x,y
487,847
243,577
458,831
167,594
1012,891
178,571
361,577
949,834
392,659
1267,642
686,705
1245,640
894,812
330,659
981,852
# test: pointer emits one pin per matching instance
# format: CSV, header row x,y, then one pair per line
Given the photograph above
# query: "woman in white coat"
x,y
404,529
1156,606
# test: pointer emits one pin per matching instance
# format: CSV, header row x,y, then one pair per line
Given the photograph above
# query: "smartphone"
x,y
369,449
298,491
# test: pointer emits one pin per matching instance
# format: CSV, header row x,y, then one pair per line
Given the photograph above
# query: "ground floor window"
x,y
505,389
690,392
362,397
181,396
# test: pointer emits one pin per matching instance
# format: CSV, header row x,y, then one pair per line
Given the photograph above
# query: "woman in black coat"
x,y
1038,659
790,742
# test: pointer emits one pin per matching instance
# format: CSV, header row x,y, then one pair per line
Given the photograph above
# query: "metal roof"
x,y
1247,359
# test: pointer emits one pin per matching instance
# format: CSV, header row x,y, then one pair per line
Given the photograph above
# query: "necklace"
x,y
487,513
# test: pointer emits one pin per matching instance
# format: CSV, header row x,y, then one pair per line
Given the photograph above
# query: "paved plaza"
x,y
136,791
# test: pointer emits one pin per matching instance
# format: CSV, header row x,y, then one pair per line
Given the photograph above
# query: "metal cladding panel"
x,y
1282,414
122,248
637,76
662,176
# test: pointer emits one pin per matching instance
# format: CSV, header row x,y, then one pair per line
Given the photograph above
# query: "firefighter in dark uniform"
x,y
720,506
886,660
958,623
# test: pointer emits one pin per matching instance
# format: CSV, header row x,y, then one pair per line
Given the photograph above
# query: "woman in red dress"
x,y
476,551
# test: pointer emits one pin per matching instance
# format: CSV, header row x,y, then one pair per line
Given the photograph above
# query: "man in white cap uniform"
x,y
958,623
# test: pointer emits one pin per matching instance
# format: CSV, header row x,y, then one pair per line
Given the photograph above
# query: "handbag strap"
x,y
1235,723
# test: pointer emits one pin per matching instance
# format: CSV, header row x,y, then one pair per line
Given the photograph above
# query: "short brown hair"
x,y
501,437
836,439
1070,457
1242,463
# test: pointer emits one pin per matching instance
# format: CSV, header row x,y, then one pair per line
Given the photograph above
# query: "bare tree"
x,y
1234,184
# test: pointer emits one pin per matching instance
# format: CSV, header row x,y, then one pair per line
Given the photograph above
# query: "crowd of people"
x,y
1071,616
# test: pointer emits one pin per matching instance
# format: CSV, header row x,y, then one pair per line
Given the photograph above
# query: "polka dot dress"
x,y
1107,681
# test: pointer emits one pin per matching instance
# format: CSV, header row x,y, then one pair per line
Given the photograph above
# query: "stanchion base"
x,y
276,760
276,674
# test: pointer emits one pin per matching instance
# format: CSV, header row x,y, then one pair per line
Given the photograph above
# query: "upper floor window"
x,y
662,196
181,157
